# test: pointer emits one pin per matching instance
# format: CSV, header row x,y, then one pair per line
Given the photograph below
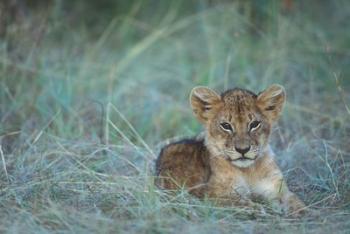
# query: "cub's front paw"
x,y
294,207
257,209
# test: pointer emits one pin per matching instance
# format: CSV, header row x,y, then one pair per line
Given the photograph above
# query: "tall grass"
x,y
85,103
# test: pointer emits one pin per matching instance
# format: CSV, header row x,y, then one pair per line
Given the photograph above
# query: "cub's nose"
x,y
242,151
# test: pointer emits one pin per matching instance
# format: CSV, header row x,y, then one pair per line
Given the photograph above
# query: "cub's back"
x,y
183,163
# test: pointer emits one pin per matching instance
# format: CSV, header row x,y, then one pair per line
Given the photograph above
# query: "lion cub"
x,y
232,163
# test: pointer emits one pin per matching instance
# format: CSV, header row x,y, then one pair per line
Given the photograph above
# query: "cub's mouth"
x,y
243,158
242,161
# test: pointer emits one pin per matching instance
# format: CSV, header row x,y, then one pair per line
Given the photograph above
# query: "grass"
x,y
85,102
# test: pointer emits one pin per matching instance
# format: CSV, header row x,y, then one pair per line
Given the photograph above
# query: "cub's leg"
x,y
232,192
274,189
183,164
267,182
289,201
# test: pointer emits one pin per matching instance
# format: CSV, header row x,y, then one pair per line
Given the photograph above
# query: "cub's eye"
x,y
254,125
226,126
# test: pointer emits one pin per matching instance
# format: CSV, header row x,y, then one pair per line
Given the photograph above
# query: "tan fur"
x,y
233,163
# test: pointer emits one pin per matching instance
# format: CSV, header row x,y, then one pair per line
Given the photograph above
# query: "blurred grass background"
x,y
89,88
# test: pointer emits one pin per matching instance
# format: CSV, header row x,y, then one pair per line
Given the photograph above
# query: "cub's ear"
x,y
271,101
203,101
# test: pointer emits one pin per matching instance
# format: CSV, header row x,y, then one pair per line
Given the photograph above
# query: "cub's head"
x,y
238,122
